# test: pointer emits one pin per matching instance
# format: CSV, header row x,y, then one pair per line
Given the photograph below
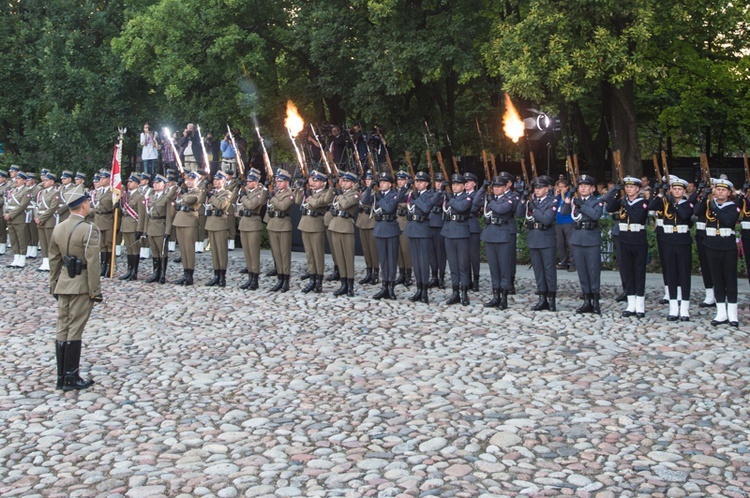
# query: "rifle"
x,y
569,157
237,154
174,150
203,148
655,160
322,151
484,153
453,156
429,160
531,155
438,154
407,156
494,166
705,170
616,160
266,161
525,173
664,162
358,160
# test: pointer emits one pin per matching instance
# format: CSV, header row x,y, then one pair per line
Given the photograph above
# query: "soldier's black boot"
x,y
368,277
475,283
383,292
392,291
102,263
334,277
551,298
319,284
130,269
425,296
311,284
407,277
163,274
272,272
254,283
157,271
542,304
464,295
375,276
434,281
305,275
107,264
441,280
455,297
495,299
249,282
401,276
622,297
417,295
136,262
189,280
350,288
71,377
342,288
279,283
595,308
503,304
183,279
586,306
60,356
215,280
285,283
512,290
222,278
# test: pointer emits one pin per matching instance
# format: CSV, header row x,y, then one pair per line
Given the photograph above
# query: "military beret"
x,y
77,199
385,177
348,176
471,177
282,174
456,178
422,176
586,180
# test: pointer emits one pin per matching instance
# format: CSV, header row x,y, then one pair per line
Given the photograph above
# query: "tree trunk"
x,y
624,127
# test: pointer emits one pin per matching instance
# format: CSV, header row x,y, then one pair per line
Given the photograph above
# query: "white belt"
x,y
745,225
659,222
721,232
700,225
632,227
676,229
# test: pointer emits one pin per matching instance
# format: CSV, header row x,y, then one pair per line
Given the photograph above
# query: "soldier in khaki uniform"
x,y
279,227
366,225
314,204
232,185
133,207
185,224
66,190
74,286
32,233
44,215
344,207
157,211
403,181
102,204
5,185
218,201
16,203
249,205
146,191
202,240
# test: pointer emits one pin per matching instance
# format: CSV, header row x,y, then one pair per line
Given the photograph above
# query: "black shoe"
x,y
684,318
718,322
71,378
392,291
503,304
571,269
350,287
622,297
368,277
375,276
704,304
663,301
157,271
254,284
417,295
401,276
464,295
672,318
441,280
279,284
285,284
586,306
249,282
561,266
425,296
734,324
455,297
542,304
434,282
178,259
512,290
407,277
136,262
102,262
182,280
305,276
222,278
595,308
495,299
189,280
215,280
319,285
475,283
382,293
311,284
335,276
130,269
551,300
342,288
272,273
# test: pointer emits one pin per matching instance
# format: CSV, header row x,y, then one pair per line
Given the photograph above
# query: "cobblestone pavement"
x,y
223,392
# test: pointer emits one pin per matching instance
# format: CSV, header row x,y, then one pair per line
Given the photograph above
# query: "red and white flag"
x,y
115,180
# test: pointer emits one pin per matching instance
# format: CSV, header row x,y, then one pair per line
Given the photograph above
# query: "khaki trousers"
x,y
315,251
343,249
186,237
18,238
219,252
369,248
73,311
251,249
281,248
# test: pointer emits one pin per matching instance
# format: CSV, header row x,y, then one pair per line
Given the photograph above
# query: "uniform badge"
x,y
645,206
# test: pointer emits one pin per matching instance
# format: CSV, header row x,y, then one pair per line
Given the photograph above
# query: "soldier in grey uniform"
x,y
474,228
343,209
403,181
217,204
499,236
540,213
419,206
249,205
456,213
16,203
73,250
157,211
366,225
45,208
437,264
313,206
586,241
185,224
385,203
133,207
279,226
104,217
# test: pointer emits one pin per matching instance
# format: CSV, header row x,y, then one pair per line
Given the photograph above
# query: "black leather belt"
x,y
104,212
247,213
436,210
493,220
157,217
365,210
186,209
536,225
402,212
586,225
385,217
215,212
312,212
340,214
454,217
276,214
417,217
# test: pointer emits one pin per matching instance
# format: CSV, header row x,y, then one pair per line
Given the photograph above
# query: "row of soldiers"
x,y
407,224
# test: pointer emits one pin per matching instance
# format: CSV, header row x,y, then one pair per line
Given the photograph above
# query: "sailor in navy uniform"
x,y
586,241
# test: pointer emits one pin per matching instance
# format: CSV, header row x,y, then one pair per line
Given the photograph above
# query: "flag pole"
x,y
115,184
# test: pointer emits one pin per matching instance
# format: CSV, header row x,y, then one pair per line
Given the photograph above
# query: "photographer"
x,y
191,148
150,151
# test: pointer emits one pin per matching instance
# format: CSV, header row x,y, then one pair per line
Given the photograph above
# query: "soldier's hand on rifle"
x,y
166,236
139,235
746,187
577,202
486,184
530,206
618,186
415,194
443,185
